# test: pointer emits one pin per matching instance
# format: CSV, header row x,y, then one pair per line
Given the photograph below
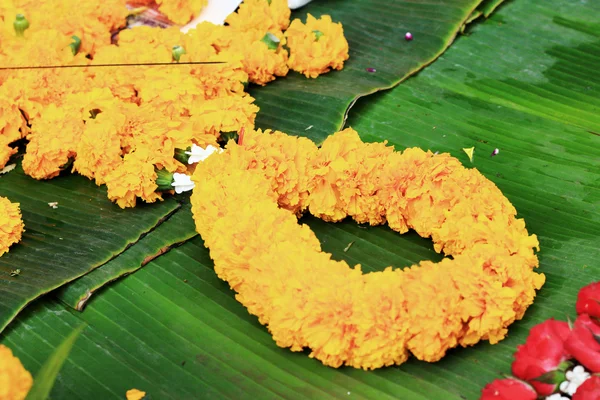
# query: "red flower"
x,y
543,352
508,389
589,390
584,342
588,300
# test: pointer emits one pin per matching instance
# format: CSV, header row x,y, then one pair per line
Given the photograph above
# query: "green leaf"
x,y
45,378
487,7
177,229
61,244
375,31
527,86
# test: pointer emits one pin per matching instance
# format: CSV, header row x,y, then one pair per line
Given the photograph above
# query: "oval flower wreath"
x,y
246,204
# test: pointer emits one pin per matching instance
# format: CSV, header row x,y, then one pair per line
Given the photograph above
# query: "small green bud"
x,y
75,45
227,136
164,179
177,52
21,24
318,35
181,156
271,41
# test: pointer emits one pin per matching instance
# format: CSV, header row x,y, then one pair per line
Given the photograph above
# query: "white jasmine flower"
x,y
197,153
182,183
557,396
293,4
575,378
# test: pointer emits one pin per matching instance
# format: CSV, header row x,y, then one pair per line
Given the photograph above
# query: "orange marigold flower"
x,y
223,114
317,46
220,37
11,229
5,152
99,150
180,11
284,161
53,142
345,178
264,58
15,380
134,177
261,15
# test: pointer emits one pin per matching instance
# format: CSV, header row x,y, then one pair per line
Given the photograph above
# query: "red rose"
x,y
588,300
584,342
543,352
589,390
508,389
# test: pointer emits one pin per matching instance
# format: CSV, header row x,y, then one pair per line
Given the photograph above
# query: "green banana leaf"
x,y
175,230
84,231
380,58
527,86
45,378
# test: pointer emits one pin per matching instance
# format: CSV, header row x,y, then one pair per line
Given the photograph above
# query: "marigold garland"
x,y
244,204
123,126
11,224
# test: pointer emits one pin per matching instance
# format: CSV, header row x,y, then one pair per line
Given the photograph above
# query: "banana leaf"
x,y
64,241
178,228
526,86
380,58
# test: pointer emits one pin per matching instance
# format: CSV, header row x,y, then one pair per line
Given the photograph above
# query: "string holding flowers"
x,y
119,126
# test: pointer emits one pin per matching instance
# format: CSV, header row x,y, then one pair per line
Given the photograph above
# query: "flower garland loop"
x,y
245,204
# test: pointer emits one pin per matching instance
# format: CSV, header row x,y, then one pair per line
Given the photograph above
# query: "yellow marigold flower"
x,y
220,80
284,160
317,46
53,142
206,33
12,124
223,114
15,380
134,177
346,177
180,11
264,58
99,150
11,229
134,394
261,15
5,152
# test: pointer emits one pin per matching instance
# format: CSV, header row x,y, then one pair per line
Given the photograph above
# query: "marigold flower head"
x,y
223,114
261,15
11,229
180,11
264,58
53,142
317,46
134,177
99,149
15,380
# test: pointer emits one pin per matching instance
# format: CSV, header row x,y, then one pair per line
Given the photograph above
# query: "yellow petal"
x,y
470,152
135,394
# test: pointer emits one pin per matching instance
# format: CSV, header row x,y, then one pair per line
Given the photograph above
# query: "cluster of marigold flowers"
x,y
559,360
135,128
246,202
